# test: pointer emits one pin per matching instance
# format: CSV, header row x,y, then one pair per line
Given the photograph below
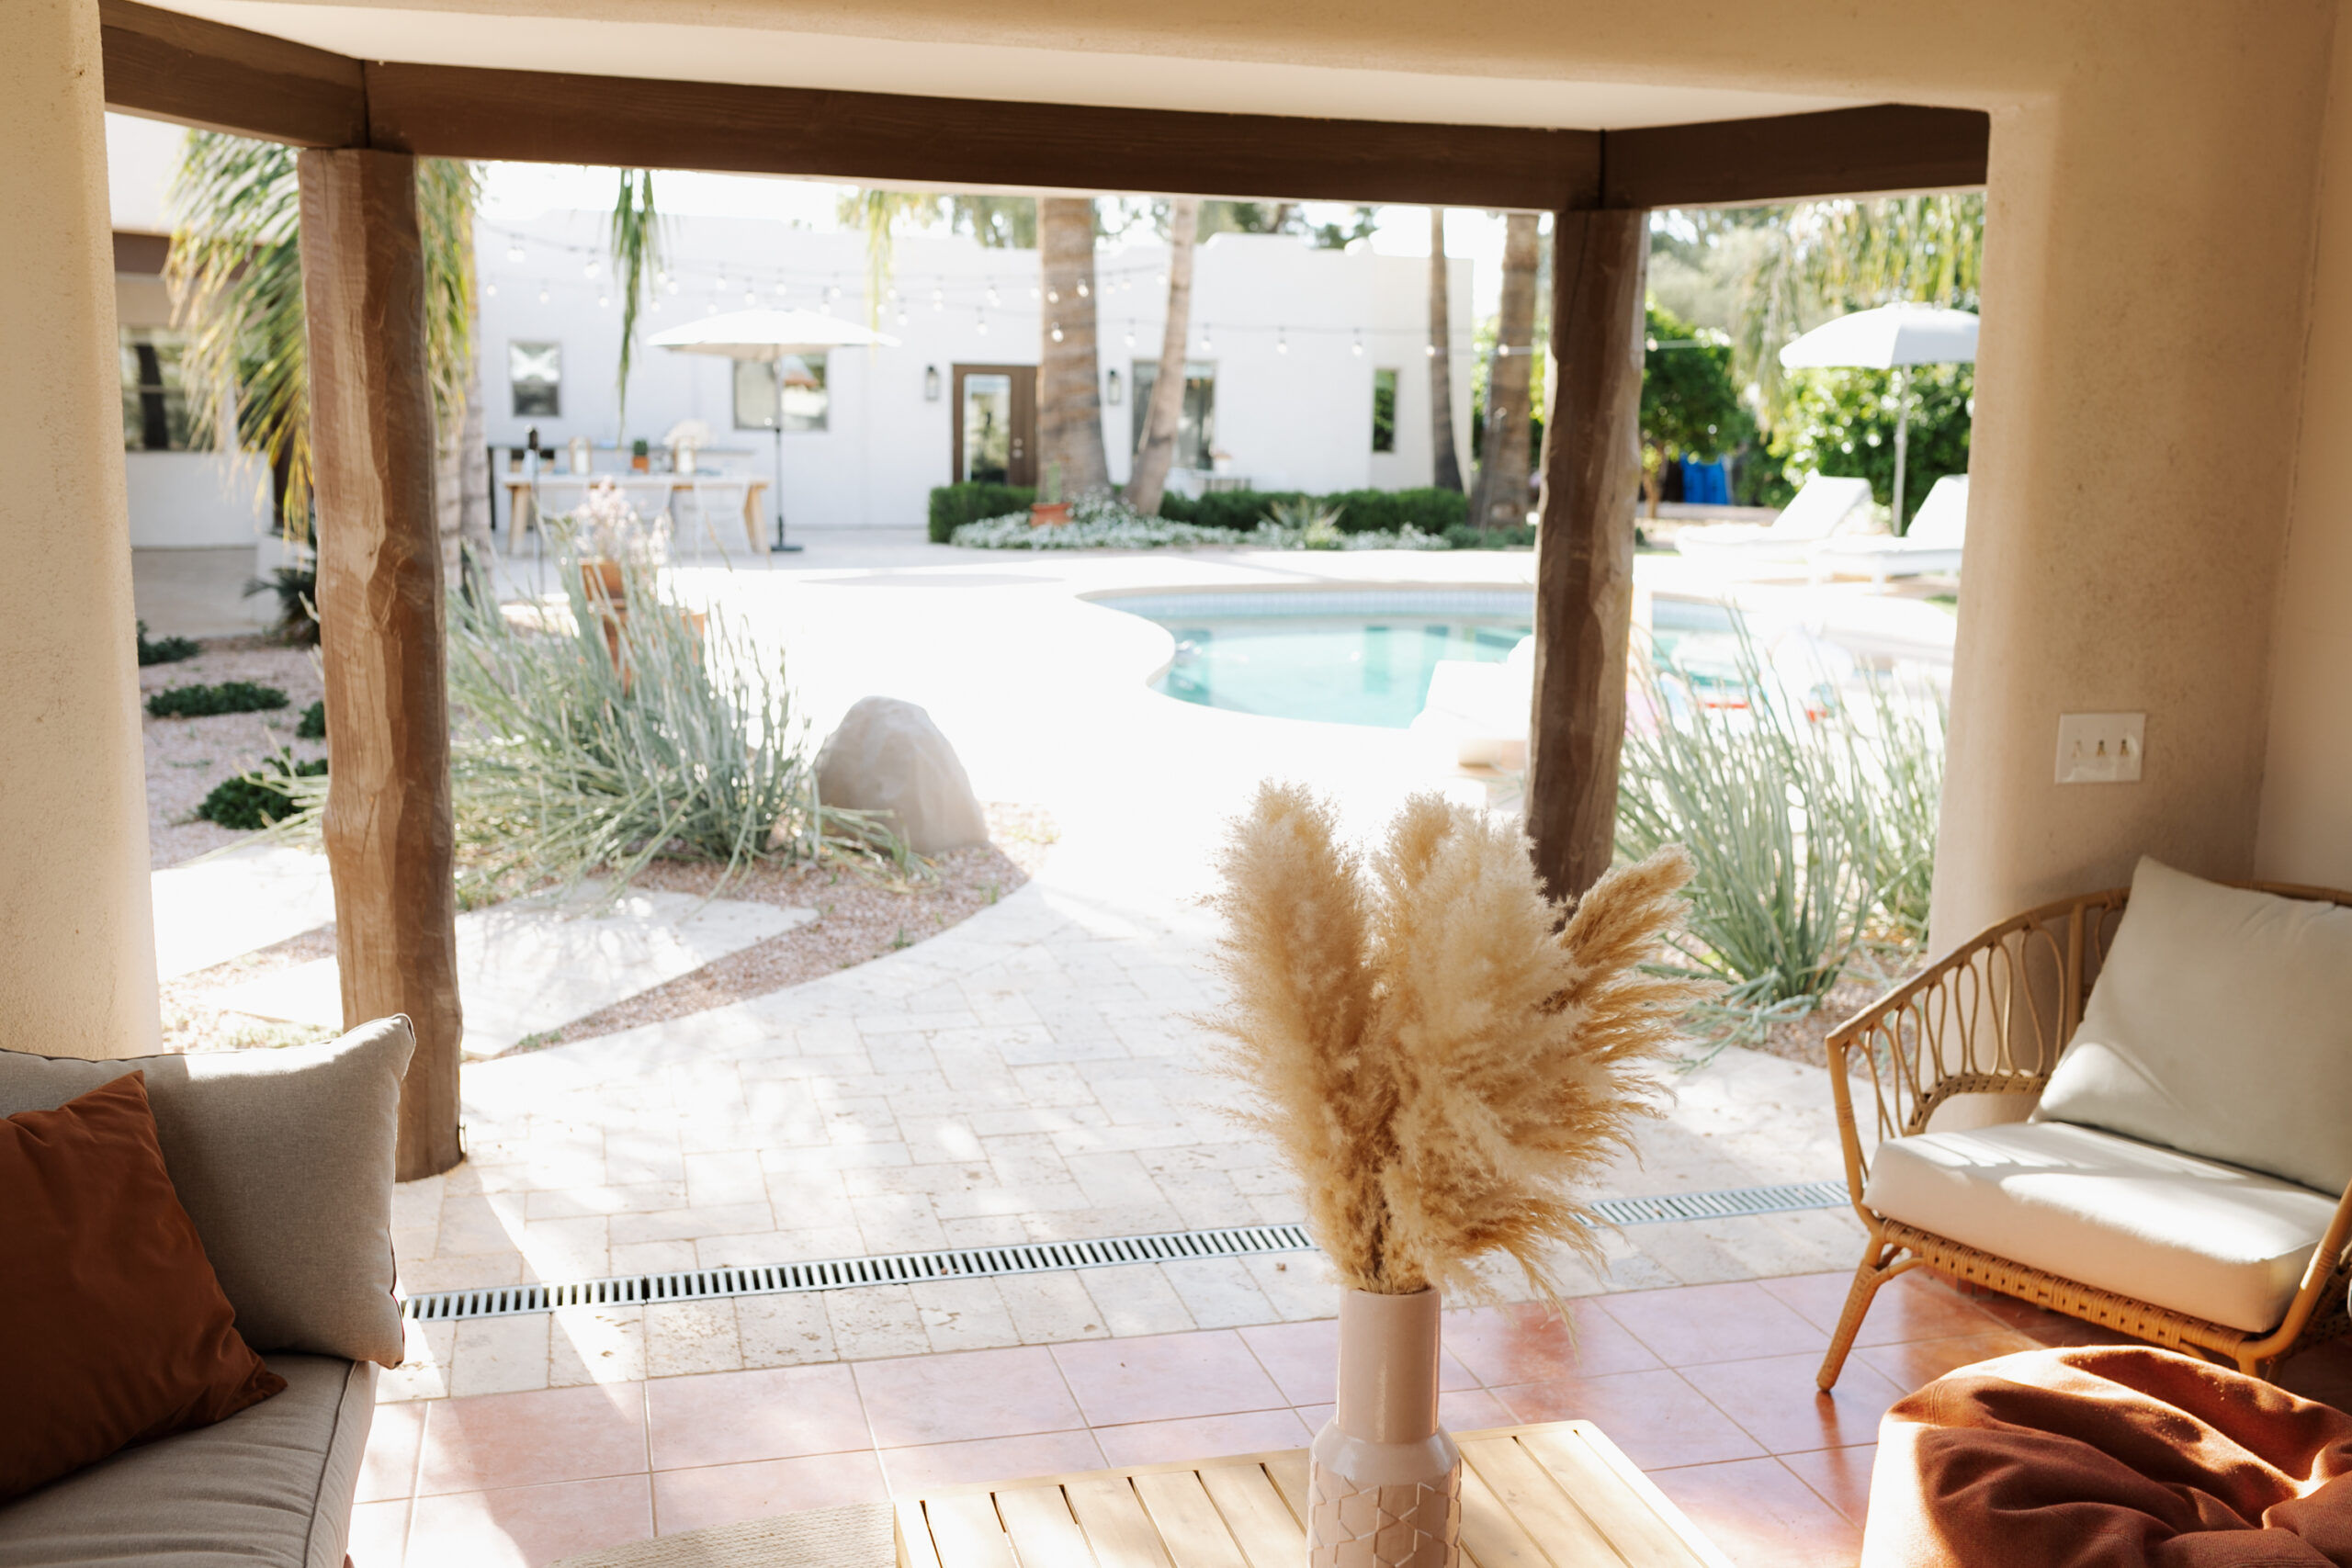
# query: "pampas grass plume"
x,y
1441,1061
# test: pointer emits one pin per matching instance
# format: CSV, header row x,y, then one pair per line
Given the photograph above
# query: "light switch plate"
x,y
2101,748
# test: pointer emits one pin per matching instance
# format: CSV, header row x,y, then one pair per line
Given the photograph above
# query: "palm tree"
x,y
235,275
1448,474
1156,449
634,236
1070,397
1501,498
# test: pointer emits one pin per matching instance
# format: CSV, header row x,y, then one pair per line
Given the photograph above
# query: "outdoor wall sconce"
x,y
931,383
1111,393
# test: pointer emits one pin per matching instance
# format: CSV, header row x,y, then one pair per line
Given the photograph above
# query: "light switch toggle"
x,y
2101,748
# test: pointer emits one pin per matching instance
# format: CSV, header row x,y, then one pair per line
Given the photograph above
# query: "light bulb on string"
x,y
832,293
902,318
490,289
672,283
1033,291
1082,291
751,294
590,270
1282,340
515,252
1053,296
1502,351
939,299
993,300
1206,346
780,290
1131,331
1058,332
1358,344
604,302
1430,349
984,326
543,293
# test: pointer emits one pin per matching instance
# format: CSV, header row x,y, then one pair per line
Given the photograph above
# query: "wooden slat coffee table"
x,y
1554,1495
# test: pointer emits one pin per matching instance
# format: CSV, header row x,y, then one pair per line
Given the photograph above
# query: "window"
x,y
1196,427
987,429
802,379
1384,411
535,372
154,407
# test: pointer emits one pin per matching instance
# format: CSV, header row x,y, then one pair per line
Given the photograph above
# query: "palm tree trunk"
x,y
1157,451
1070,397
1448,467
1502,475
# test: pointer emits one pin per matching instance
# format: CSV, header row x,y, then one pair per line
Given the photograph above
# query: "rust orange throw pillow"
x,y
113,1330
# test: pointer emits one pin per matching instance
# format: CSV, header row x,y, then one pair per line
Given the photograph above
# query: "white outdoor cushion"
x,y
1817,510
1942,519
2199,1237
2221,1025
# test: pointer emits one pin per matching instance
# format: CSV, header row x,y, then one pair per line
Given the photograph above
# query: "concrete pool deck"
x,y
1031,1073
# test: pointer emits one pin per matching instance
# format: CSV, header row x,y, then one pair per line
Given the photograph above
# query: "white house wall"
x,y
1299,418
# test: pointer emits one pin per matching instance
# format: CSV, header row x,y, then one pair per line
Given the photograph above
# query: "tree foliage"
x,y
1690,407
1842,422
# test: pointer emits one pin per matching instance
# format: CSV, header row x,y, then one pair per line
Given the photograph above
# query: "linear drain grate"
x,y
1031,1258
843,1273
1722,1205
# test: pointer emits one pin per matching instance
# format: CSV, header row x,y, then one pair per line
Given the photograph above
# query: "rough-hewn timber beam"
x,y
956,142
169,66
390,845
1583,553
1886,147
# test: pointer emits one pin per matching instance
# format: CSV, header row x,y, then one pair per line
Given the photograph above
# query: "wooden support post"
x,y
389,841
1584,569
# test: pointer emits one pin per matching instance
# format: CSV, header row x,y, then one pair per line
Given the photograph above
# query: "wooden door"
x,y
994,417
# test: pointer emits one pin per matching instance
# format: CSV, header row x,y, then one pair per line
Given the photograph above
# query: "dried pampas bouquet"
x,y
1438,1058
1441,1061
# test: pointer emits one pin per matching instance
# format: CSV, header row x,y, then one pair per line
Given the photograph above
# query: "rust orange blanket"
x,y
2110,1457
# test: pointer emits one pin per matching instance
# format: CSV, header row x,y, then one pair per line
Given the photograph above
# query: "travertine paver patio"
x,y
1035,1072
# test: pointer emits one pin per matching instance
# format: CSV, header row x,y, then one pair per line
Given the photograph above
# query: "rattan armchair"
x,y
1990,1019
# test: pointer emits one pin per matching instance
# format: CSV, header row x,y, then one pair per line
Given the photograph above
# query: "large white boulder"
x,y
888,756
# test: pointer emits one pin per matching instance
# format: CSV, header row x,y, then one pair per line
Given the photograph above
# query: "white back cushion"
x,y
2221,1025
1820,507
1943,516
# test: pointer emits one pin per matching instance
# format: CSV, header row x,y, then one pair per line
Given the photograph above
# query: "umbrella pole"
x,y
1902,443
778,427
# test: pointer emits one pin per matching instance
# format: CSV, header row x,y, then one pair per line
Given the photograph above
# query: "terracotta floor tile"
x,y
1527,1342
1472,1410
1304,1360
522,1439
1841,1476
1919,1363
1165,1377
916,1400
523,1527
1655,1416
378,1534
1692,1324
1775,1402
733,1418
726,1493
992,1458
1761,1516
1909,1306
1203,1437
388,1469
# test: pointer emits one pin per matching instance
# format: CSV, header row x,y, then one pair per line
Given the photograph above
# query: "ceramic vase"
x,y
1385,1483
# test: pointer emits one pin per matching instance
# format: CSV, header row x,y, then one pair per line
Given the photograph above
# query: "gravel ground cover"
x,y
186,757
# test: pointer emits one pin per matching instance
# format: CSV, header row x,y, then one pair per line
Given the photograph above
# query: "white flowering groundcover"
x,y
1105,522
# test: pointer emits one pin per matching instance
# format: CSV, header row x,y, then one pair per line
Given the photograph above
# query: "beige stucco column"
x,y
77,940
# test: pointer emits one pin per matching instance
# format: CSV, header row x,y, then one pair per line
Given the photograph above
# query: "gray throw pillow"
x,y
284,1160
2222,1026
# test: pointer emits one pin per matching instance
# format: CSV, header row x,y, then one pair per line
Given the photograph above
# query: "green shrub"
x,y
297,588
1461,536
312,726
1361,511
163,650
229,696
952,506
255,800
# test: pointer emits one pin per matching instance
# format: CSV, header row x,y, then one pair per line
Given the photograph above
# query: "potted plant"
x,y
607,533
640,456
1440,1061
1050,510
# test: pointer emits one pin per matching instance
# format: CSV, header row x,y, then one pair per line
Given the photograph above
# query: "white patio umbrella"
x,y
774,337
1889,338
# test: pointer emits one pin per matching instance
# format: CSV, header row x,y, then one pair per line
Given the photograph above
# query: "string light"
x,y
832,293
751,294
1358,347
1282,340
603,301
1058,332
1053,296
1033,291
590,270
1131,331
1430,349
1082,291
938,300
984,326
1206,346
515,252
543,293
780,290
993,300
491,288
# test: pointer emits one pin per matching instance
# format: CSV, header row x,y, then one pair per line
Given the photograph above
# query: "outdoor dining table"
x,y
518,488
1554,1494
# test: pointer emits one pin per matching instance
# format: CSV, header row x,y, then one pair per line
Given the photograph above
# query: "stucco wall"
x,y
2306,825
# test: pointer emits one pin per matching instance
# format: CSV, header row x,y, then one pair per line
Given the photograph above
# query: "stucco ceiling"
x,y
764,56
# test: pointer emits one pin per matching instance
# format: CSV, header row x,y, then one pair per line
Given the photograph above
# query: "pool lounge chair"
x,y
1931,547
1823,507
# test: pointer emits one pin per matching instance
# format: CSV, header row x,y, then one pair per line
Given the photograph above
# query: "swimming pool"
x,y
1346,657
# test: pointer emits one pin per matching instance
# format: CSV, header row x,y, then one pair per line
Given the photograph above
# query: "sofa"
x,y
283,1159
2133,1107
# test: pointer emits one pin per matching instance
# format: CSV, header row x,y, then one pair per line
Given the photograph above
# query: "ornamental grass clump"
x,y
1440,1061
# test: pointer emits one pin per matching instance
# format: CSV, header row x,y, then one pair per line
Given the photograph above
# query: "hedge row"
x,y
1363,511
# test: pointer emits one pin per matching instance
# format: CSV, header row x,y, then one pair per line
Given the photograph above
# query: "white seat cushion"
x,y
2207,1239
2222,1025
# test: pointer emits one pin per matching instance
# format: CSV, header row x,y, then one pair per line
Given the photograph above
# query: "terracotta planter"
x,y
601,580
1049,515
1385,1481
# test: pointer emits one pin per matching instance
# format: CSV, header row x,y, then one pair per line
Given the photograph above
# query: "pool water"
x,y
1342,657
